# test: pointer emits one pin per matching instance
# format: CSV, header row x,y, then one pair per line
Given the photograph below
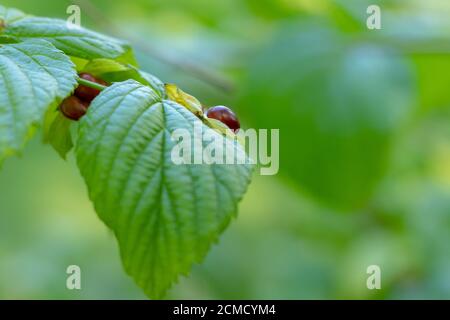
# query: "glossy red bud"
x,y
224,115
86,93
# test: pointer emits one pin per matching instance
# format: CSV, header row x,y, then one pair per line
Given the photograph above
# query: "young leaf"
x,y
77,42
99,67
57,132
190,102
33,76
165,216
114,71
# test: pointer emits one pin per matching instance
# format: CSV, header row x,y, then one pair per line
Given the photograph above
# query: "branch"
x,y
195,70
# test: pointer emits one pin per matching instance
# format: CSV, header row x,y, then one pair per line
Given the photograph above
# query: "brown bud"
x,y
73,108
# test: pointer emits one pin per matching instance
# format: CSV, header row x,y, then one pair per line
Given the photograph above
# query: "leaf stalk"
x,y
90,84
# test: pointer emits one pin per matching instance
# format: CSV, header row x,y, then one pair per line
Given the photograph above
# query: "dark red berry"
x,y
73,108
224,115
86,93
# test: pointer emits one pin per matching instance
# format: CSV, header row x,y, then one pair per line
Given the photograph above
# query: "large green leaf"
x,y
165,216
33,76
77,42
337,107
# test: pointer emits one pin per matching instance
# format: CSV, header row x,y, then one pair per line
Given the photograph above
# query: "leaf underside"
x,y
34,75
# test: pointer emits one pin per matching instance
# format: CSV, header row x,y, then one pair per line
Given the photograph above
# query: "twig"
x,y
195,70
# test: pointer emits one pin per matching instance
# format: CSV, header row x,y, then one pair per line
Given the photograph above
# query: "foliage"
x,y
347,126
165,216
291,241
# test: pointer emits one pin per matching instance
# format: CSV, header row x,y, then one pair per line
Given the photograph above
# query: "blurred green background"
x,y
364,153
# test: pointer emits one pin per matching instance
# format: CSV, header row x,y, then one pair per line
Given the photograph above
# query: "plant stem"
x,y
90,84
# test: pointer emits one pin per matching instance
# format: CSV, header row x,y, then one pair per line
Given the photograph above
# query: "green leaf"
x,y
100,67
77,42
9,15
153,82
165,216
57,132
34,75
114,71
337,107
